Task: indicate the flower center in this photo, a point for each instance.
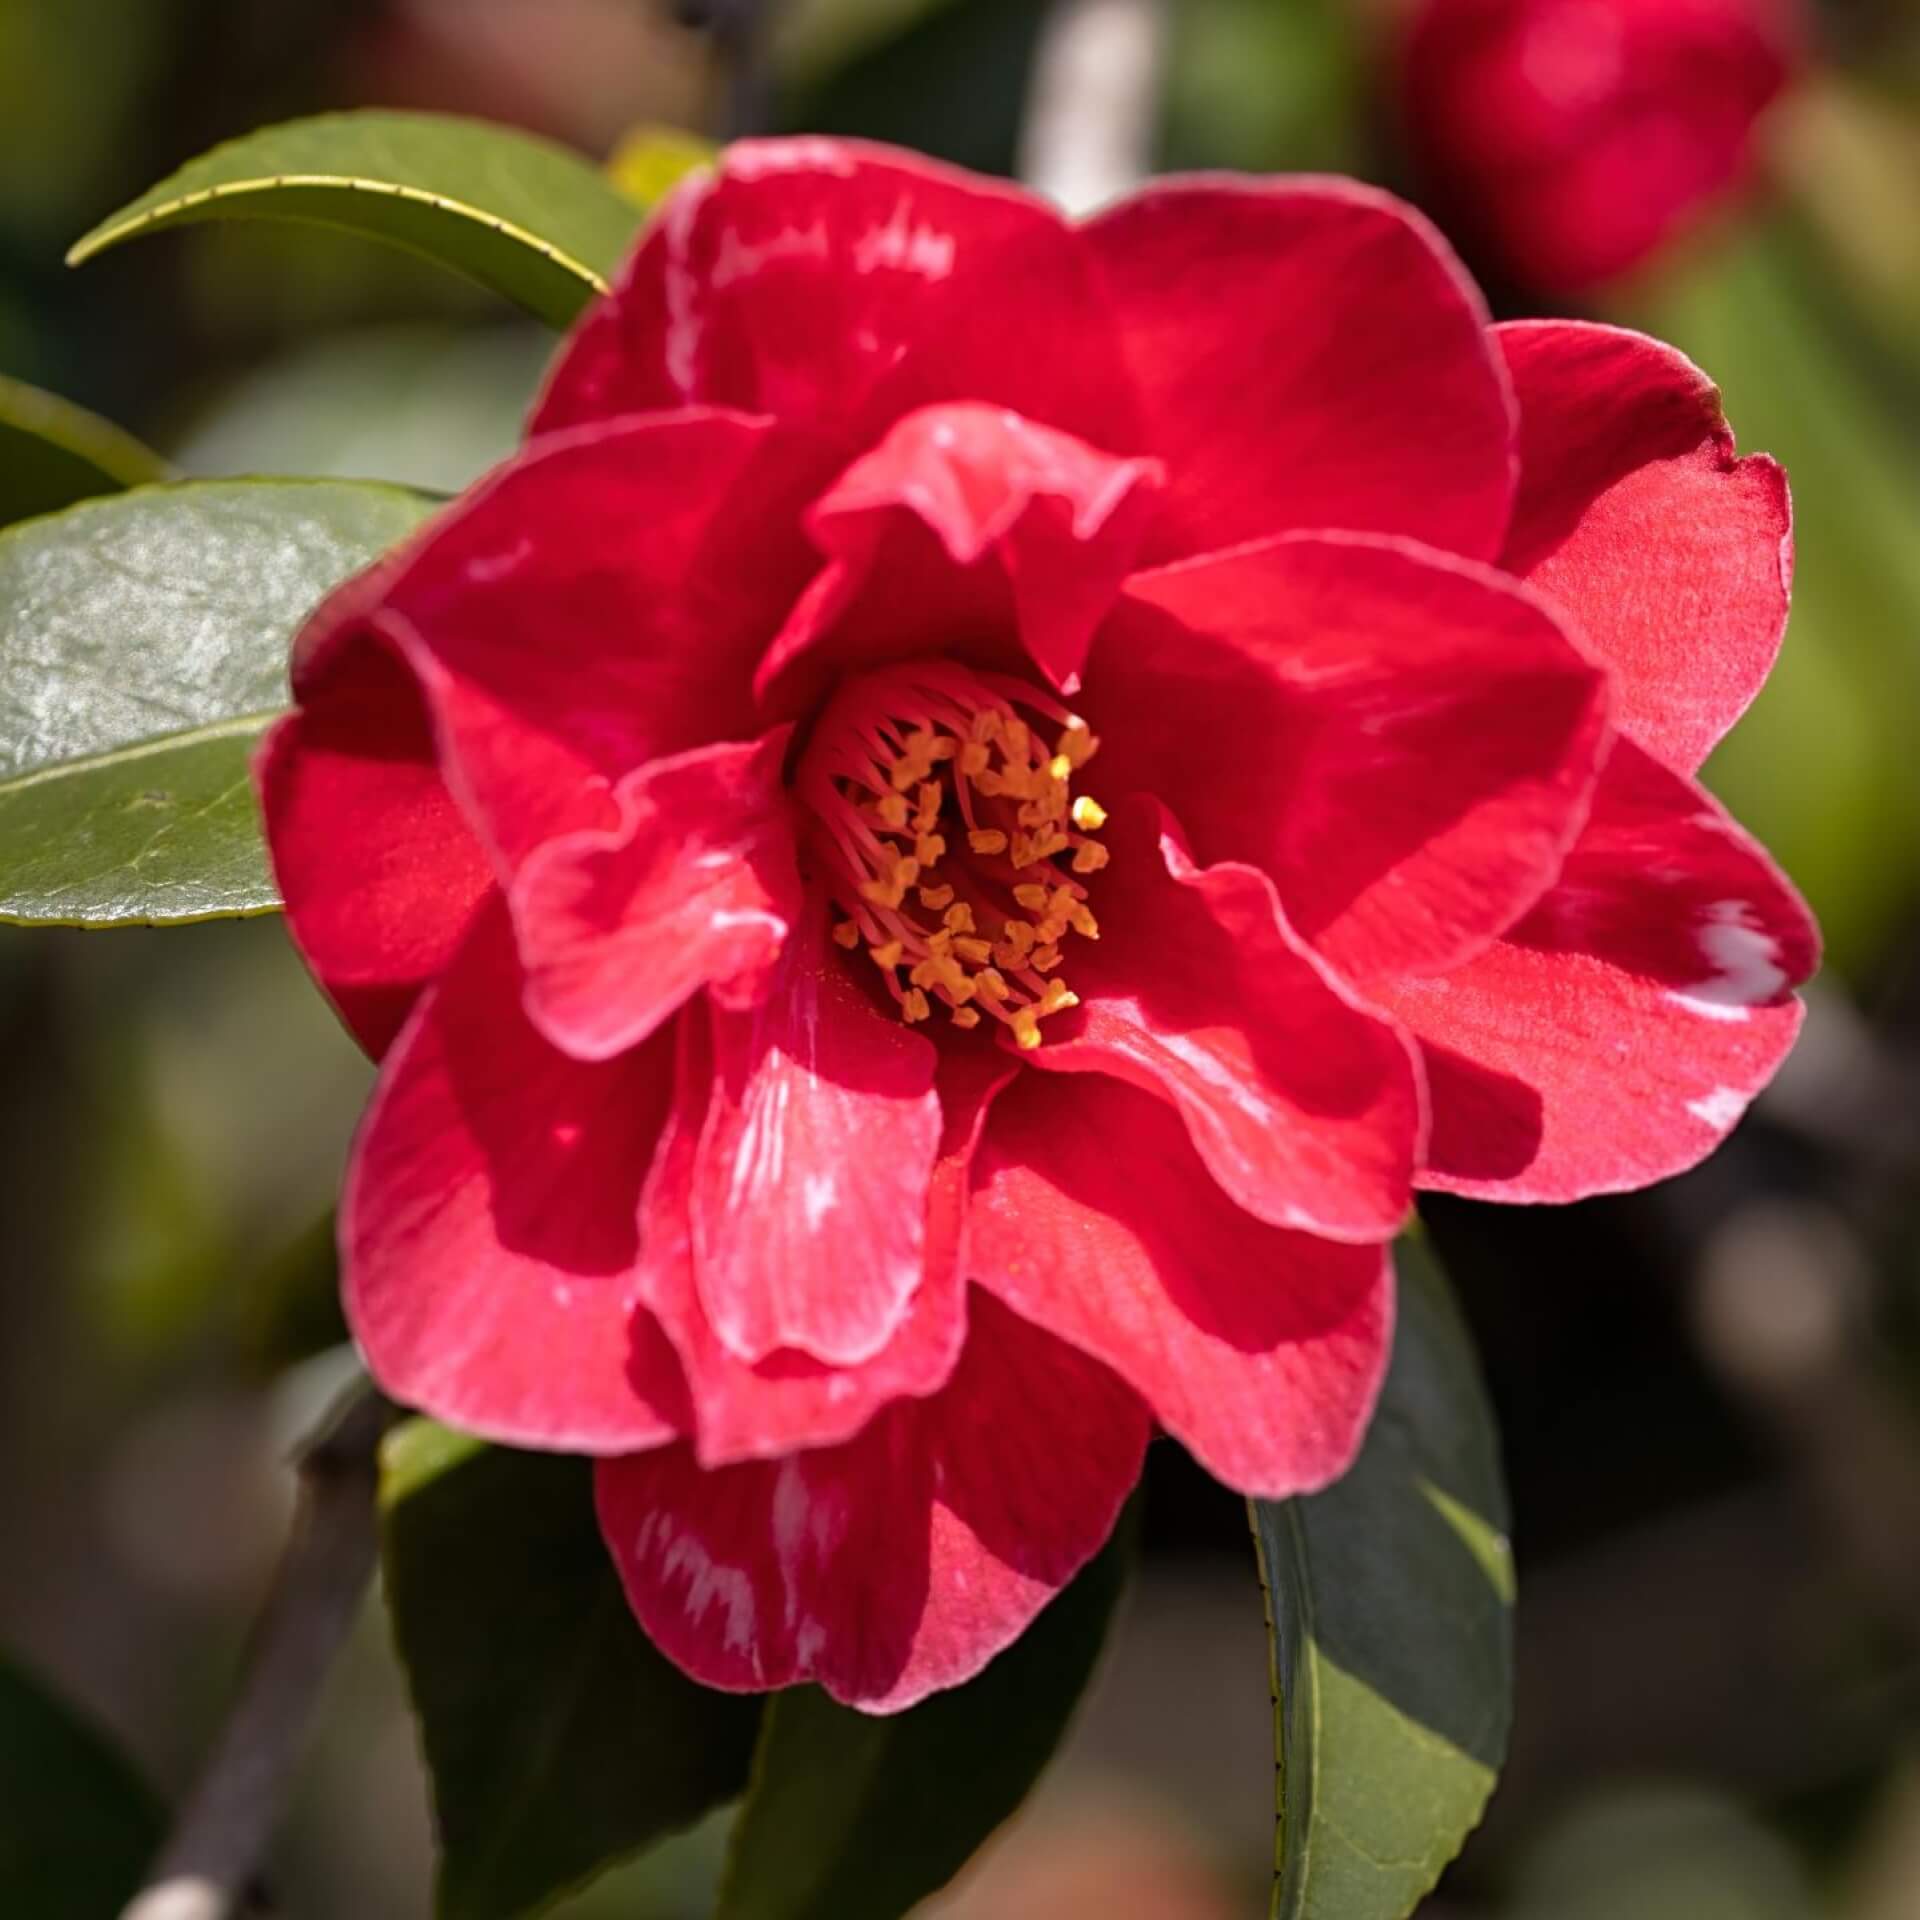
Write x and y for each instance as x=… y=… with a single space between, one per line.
x=950 y=836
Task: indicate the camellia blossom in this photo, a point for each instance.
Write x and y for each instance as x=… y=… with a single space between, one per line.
x=1573 y=139
x=933 y=861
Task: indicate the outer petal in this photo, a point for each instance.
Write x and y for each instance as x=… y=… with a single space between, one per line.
x=379 y=870
x=967 y=521
x=901 y=1562
x=1405 y=742
x=810 y=1183
x=1674 y=557
x=1261 y=1351
x=488 y=1229
x=696 y=886
x=1618 y=1033
x=841 y=285
x=586 y=609
x=1304 y=1105
x=790 y=1400
x=1308 y=353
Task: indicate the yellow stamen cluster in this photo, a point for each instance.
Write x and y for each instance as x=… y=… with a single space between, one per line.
x=975 y=915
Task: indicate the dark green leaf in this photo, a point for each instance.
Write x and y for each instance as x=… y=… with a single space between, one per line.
x=858 y=1816
x=143 y=646
x=1390 y=1596
x=518 y=214
x=53 y=453
x=77 y=1824
x=557 y=1737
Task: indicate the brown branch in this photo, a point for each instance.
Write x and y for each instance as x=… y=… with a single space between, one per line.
x=211 y=1866
x=741 y=31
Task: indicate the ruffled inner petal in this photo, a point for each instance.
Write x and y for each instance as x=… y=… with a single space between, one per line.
x=1261 y=1351
x=1405 y=742
x=809 y=1202
x=697 y=886
x=1304 y=1105
x=790 y=1400
x=966 y=526
x=901 y=1562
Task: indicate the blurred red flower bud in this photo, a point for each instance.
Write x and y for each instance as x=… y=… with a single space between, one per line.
x=1568 y=141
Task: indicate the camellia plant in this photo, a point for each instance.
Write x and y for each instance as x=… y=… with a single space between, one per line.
x=930 y=867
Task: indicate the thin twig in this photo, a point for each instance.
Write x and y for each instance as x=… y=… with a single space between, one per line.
x=211 y=1866
x=742 y=32
x=1093 y=104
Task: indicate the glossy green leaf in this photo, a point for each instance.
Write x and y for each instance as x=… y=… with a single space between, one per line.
x=858 y=1816
x=143 y=646
x=79 y=1825
x=558 y=1739
x=518 y=214
x=53 y=453
x=1390 y=1599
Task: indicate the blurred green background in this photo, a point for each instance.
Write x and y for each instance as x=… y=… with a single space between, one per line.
x=1710 y=1393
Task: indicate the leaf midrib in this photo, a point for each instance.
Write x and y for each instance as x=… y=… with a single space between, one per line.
x=238 y=726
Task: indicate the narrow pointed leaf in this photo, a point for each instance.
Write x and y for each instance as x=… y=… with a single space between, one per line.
x=558 y=1739
x=1390 y=1598
x=79 y=1825
x=859 y=1816
x=53 y=453
x=143 y=649
x=518 y=214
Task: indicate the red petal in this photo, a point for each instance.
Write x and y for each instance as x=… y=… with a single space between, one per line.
x=967 y=520
x=378 y=868
x=842 y=285
x=1261 y=1351
x=1618 y=1033
x=1673 y=556
x=488 y=1224
x=1308 y=353
x=586 y=610
x=1305 y=1106
x=1404 y=741
x=697 y=885
x=901 y=1562
x=810 y=1187
x=790 y=1400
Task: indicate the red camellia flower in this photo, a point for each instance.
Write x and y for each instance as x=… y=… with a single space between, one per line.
x=932 y=862
x=1573 y=138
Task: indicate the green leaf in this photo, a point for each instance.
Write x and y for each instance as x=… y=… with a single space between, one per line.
x=557 y=1737
x=519 y=215
x=1390 y=1600
x=856 y=1816
x=53 y=453
x=651 y=161
x=143 y=647
x=80 y=1825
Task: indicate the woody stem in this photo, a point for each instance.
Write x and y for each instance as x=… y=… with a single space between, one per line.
x=211 y=1866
